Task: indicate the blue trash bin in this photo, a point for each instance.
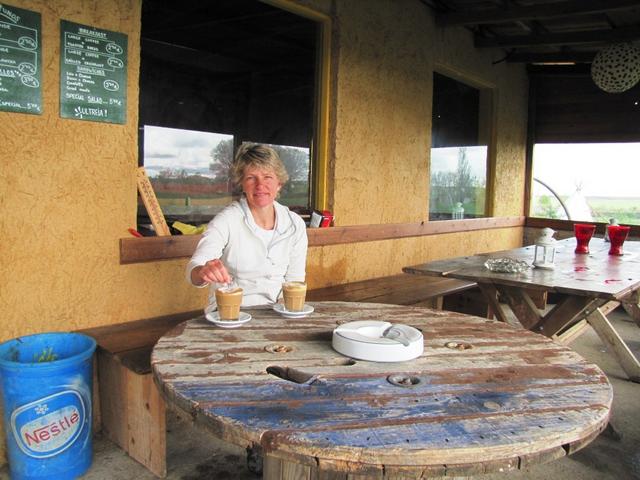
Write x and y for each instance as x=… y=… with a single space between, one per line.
x=46 y=384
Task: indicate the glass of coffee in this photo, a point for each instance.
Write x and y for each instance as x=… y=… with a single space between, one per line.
x=294 y=294
x=229 y=300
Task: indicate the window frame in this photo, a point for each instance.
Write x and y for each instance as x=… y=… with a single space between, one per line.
x=319 y=145
x=487 y=127
x=599 y=214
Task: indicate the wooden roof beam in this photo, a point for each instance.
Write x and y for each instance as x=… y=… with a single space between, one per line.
x=548 y=10
x=550 y=57
x=190 y=56
x=591 y=37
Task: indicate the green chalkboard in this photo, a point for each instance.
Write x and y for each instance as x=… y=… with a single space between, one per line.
x=93 y=74
x=20 y=60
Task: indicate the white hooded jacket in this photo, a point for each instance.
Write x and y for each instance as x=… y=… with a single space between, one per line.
x=260 y=271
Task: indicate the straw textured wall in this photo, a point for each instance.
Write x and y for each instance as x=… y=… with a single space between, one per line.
x=385 y=53
x=69 y=186
x=68 y=189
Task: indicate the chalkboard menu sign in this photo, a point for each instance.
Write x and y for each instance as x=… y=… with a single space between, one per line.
x=93 y=73
x=20 y=60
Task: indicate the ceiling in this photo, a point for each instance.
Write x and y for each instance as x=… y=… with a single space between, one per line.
x=543 y=32
x=241 y=35
x=228 y=35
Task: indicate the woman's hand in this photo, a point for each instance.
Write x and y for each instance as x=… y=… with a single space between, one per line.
x=213 y=271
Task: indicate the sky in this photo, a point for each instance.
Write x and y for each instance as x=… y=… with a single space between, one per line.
x=446 y=159
x=605 y=170
x=608 y=170
x=169 y=147
x=183 y=149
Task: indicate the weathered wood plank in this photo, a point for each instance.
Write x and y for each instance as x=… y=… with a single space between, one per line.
x=272 y=468
x=522 y=305
x=429 y=393
x=400 y=289
x=133 y=413
x=113 y=407
x=512 y=395
x=136 y=334
x=491 y=294
x=616 y=345
x=458 y=441
x=572 y=333
x=631 y=304
x=148 y=249
x=415 y=413
x=587 y=282
x=146 y=423
x=567 y=311
x=597 y=274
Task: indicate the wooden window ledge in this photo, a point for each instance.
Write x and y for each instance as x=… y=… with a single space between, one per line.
x=149 y=249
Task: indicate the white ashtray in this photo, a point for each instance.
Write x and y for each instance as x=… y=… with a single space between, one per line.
x=214 y=317
x=279 y=308
x=378 y=341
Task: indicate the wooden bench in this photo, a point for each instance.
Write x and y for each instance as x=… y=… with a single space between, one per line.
x=127 y=402
x=131 y=409
x=405 y=289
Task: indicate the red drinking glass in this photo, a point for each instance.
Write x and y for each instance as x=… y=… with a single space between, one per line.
x=584 y=232
x=617 y=235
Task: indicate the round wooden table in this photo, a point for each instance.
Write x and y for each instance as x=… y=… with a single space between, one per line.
x=483 y=397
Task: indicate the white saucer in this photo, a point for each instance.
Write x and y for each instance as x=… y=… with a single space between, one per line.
x=214 y=318
x=306 y=310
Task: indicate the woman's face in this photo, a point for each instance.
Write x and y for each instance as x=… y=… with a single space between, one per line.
x=261 y=186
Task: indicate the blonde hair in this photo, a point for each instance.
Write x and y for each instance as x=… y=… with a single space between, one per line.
x=259 y=156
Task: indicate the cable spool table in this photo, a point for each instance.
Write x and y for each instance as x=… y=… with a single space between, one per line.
x=483 y=397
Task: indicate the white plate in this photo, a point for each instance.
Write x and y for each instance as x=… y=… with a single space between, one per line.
x=214 y=318
x=306 y=310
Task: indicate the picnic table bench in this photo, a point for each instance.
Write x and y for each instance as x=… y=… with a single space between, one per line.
x=591 y=285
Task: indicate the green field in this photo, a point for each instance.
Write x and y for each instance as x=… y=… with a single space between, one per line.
x=182 y=203
x=626 y=210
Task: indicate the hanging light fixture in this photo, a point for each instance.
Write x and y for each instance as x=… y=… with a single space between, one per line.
x=616 y=68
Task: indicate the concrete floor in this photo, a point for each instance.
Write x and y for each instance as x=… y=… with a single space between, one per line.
x=193 y=454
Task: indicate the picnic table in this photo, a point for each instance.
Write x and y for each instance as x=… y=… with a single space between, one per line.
x=589 y=286
x=485 y=396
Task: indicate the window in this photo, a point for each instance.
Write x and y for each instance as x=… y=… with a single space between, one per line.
x=190 y=172
x=214 y=75
x=459 y=158
x=184 y=167
x=589 y=182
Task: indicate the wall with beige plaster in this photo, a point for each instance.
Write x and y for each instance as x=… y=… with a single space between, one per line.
x=69 y=186
x=336 y=264
x=383 y=70
x=387 y=54
x=68 y=189
x=382 y=112
x=68 y=192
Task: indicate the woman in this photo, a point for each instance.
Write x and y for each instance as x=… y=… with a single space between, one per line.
x=255 y=242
